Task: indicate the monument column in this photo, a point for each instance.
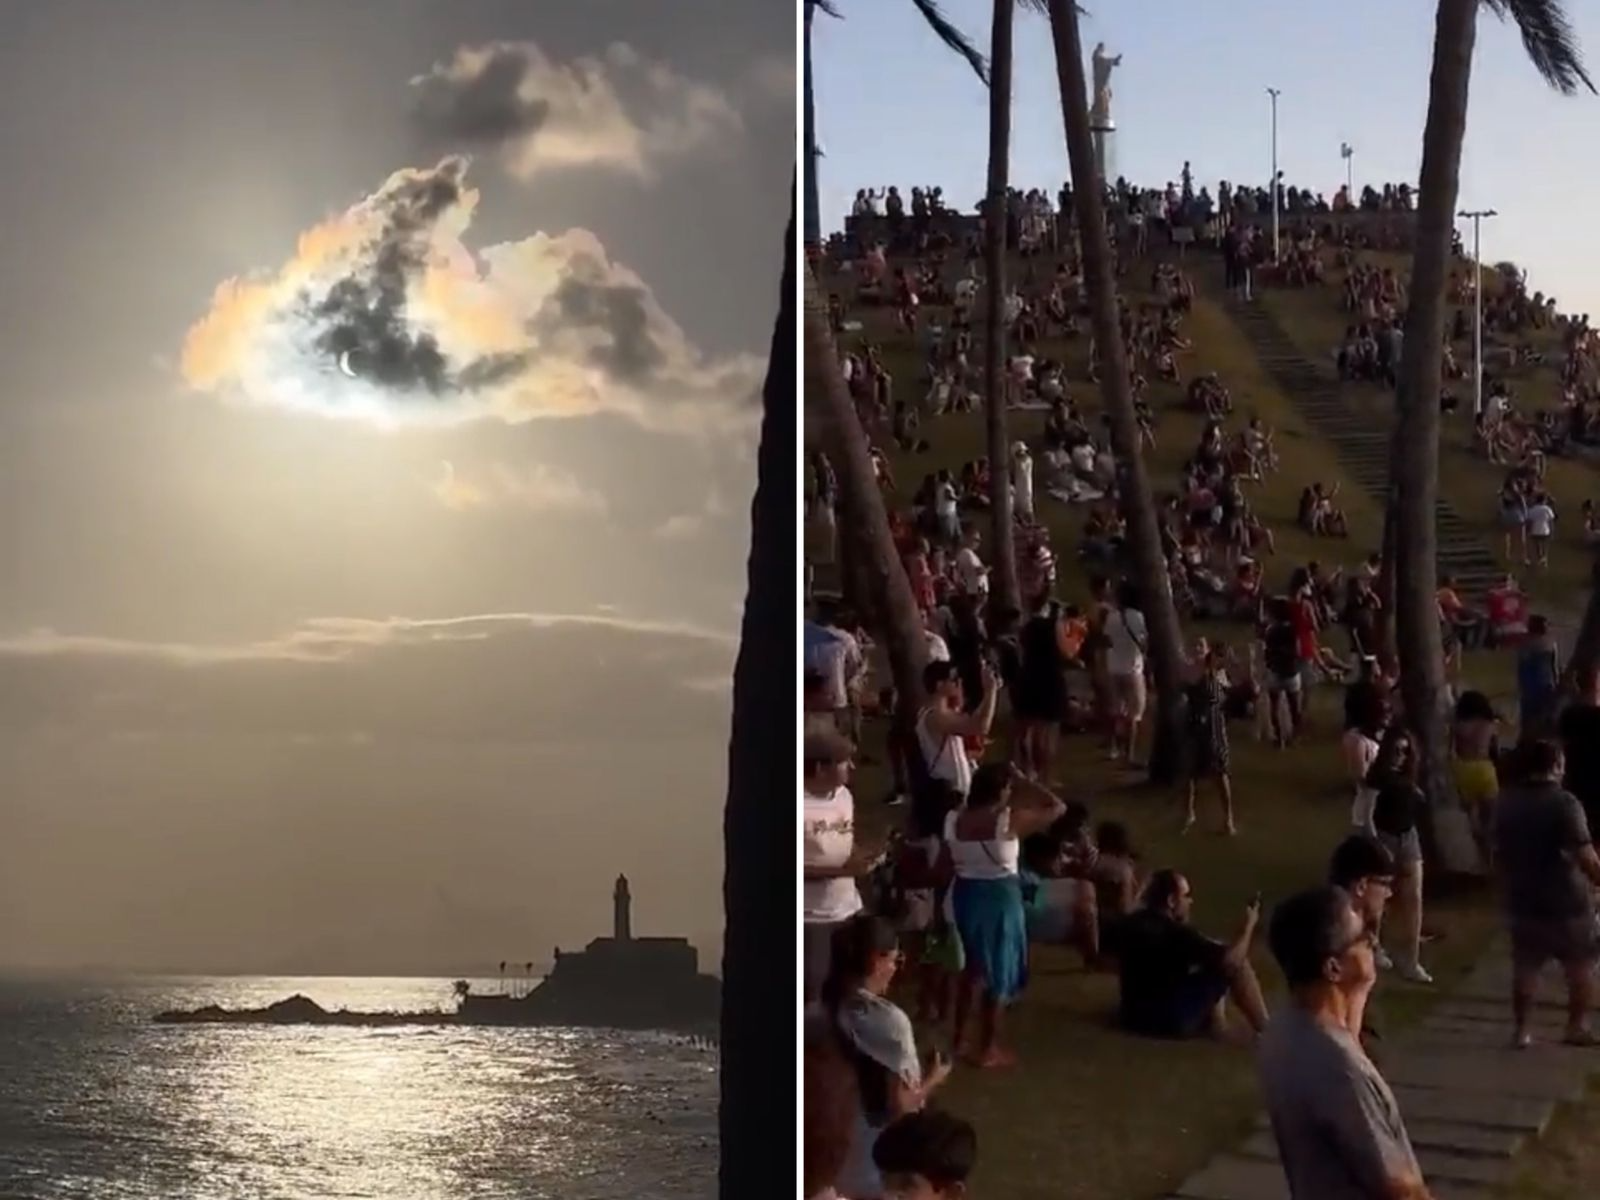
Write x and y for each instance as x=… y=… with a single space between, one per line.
x=622 y=916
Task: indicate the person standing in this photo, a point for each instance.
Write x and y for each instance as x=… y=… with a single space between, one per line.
x=1538 y=678
x=1580 y=743
x=1339 y=1131
x=1126 y=639
x=1207 y=735
x=1549 y=865
x=832 y=860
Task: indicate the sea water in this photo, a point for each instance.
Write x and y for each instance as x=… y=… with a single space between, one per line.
x=96 y=1101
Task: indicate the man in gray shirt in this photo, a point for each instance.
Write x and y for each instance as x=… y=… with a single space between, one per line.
x=1549 y=865
x=1339 y=1131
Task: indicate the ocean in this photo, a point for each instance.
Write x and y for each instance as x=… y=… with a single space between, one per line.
x=99 y=1103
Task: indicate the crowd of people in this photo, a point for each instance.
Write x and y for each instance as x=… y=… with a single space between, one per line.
x=989 y=859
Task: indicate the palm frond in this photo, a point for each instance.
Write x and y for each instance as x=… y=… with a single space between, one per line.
x=953 y=37
x=1038 y=6
x=827 y=7
x=1549 y=39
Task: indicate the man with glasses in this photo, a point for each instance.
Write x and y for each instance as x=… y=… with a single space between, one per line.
x=1364 y=869
x=1339 y=1131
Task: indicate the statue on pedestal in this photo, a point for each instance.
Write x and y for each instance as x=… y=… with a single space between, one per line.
x=1100 y=109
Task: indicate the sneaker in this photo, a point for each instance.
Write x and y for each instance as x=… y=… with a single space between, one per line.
x=1414 y=973
x=1385 y=963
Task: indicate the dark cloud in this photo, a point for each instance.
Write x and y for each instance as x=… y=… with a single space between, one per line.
x=484 y=108
x=619 y=313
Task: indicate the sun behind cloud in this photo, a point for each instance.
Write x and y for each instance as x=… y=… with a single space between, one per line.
x=385 y=315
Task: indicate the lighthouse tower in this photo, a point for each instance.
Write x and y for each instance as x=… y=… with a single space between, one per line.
x=622 y=918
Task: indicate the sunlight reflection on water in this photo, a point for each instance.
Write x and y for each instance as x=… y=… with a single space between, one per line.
x=96 y=1101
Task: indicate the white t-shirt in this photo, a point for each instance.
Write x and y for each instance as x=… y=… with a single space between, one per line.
x=1541 y=518
x=946 y=757
x=827 y=838
x=1083 y=458
x=1126 y=636
x=966 y=291
x=944 y=499
x=938 y=648
x=974 y=576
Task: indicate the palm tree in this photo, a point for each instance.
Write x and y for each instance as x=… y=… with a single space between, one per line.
x=758 y=835
x=864 y=535
x=1004 y=550
x=1133 y=488
x=947 y=33
x=1551 y=45
x=1586 y=648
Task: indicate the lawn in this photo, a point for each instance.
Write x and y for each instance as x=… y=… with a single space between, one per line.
x=1090 y=1112
x=1315 y=322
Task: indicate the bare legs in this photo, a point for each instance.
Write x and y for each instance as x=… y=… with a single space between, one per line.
x=988 y=1052
x=1244 y=989
x=1224 y=786
x=1406 y=921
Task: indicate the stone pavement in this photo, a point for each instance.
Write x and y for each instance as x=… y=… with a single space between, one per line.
x=1470 y=1101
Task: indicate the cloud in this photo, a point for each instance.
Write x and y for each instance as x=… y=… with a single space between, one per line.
x=684 y=526
x=540 y=488
x=434 y=333
x=617 y=111
x=336 y=639
x=773 y=77
x=505 y=677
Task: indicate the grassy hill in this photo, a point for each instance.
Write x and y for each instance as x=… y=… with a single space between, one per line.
x=1090 y=1112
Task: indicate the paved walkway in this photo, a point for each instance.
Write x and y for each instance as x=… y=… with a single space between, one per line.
x=1470 y=1101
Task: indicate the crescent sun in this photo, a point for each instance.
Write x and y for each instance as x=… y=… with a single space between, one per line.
x=344 y=366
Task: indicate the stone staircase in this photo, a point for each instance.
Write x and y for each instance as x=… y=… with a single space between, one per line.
x=1470 y=1102
x=1363 y=448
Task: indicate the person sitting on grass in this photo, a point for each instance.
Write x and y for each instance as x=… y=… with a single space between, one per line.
x=1175 y=981
x=983 y=840
x=1336 y=1123
x=876 y=1036
x=926 y=1155
x=1115 y=875
x=1059 y=907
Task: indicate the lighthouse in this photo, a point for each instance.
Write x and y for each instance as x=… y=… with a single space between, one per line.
x=622 y=919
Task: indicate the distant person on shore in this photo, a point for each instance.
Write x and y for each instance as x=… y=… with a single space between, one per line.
x=1580 y=743
x=832 y=860
x=1549 y=865
x=876 y=1035
x=926 y=1155
x=1175 y=981
x=1339 y=1131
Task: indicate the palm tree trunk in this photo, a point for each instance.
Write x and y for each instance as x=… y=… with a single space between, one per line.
x=758 y=835
x=1004 y=550
x=1415 y=460
x=813 y=217
x=1133 y=487
x=864 y=521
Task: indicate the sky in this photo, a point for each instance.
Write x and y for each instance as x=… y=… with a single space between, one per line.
x=894 y=106
x=378 y=387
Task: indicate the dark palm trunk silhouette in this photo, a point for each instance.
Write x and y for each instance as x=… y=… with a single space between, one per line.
x=754 y=1116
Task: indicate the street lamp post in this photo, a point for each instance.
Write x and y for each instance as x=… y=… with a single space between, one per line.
x=1348 y=153
x=1477 y=216
x=1274 y=93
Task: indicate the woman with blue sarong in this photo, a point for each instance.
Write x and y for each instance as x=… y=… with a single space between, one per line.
x=983 y=839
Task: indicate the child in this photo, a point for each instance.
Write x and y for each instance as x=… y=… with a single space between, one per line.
x=926 y=1155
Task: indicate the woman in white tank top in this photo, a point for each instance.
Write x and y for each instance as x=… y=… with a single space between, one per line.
x=944 y=724
x=984 y=840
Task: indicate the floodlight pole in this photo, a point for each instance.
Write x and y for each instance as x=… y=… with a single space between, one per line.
x=1274 y=93
x=1477 y=216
